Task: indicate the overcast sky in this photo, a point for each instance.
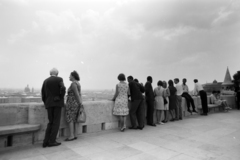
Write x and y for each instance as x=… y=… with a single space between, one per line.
x=102 y=38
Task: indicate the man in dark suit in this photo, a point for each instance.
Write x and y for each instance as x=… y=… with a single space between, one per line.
x=53 y=91
x=137 y=109
x=149 y=101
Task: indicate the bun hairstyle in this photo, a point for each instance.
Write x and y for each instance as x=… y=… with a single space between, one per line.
x=75 y=75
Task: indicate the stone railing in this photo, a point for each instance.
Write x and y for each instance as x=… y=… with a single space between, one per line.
x=20 y=99
x=99 y=117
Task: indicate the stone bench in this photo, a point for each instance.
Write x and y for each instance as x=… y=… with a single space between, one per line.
x=13 y=135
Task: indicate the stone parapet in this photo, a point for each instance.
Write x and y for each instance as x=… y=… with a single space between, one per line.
x=99 y=116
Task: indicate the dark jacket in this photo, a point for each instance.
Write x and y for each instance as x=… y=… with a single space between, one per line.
x=149 y=92
x=53 y=91
x=136 y=91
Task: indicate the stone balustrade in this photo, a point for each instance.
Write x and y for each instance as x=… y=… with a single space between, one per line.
x=99 y=117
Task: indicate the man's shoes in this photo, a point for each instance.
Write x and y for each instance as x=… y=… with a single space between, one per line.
x=133 y=128
x=140 y=128
x=189 y=111
x=203 y=114
x=53 y=144
x=44 y=145
x=172 y=120
x=194 y=111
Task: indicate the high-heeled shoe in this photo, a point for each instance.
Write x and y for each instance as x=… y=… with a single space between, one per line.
x=123 y=129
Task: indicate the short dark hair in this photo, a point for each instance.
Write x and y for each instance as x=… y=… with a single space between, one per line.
x=184 y=79
x=136 y=80
x=170 y=83
x=121 y=77
x=75 y=75
x=130 y=77
x=176 y=79
x=160 y=83
x=218 y=92
x=195 y=80
x=213 y=92
x=149 y=78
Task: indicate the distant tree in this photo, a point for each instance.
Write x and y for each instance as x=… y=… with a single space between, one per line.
x=236 y=80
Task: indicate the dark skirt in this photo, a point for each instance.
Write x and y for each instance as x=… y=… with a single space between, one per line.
x=172 y=102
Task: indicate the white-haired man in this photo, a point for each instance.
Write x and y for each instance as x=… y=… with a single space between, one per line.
x=53 y=91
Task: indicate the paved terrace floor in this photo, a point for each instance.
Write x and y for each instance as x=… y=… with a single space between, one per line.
x=215 y=137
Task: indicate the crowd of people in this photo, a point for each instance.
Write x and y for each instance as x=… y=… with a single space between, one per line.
x=165 y=99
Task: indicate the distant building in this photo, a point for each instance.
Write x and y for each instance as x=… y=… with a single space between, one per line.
x=27 y=89
x=227 y=84
x=32 y=90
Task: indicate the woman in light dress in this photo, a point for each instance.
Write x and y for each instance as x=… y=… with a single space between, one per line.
x=166 y=94
x=121 y=101
x=74 y=103
x=159 y=102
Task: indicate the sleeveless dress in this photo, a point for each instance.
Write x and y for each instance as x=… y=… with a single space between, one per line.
x=159 y=103
x=121 y=102
x=72 y=105
x=172 y=98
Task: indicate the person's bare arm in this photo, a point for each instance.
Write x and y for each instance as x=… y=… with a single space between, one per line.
x=76 y=93
x=116 y=93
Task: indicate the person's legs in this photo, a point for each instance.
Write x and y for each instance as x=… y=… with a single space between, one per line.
x=150 y=110
x=180 y=107
x=132 y=113
x=49 y=126
x=55 y=124
x=185 y=95
x=160 y=116
x=166 y=115
x=176 y=111
x=124 y=121
x=140 y=114
x=76 y=127
x=172 y=115
x=203 y=97
x=157 y=116
x=71 y=130
x=121 y=121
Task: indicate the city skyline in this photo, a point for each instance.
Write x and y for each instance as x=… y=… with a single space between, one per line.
x=165 y=39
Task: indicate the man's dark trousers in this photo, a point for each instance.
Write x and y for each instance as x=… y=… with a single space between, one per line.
x=203 y=96
x=150 y=110
x=189 y=100
x=54 y=116
x=137 y=113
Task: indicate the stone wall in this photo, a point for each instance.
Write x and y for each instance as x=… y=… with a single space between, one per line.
x=99 y=117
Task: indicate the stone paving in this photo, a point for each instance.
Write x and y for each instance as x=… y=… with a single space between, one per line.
x=213 y=137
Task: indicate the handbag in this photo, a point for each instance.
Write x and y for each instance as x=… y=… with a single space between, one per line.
x=82 y=117
x=165 y=101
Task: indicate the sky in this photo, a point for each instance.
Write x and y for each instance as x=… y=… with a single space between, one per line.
x=100 y=39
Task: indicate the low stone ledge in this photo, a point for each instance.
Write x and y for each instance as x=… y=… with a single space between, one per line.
x=20 y=128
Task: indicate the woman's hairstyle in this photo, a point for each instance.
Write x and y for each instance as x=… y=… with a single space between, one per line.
x=130 y=77
x=149 y=78
x=160 y=83
x=136 y=80
x=75 y=75
x=195 y=80
x=164 y=82
x=170 y=83
x=121 y=77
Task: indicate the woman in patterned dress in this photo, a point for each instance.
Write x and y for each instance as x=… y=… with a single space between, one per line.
x=166 y=94
x=74 y=103
x=159 y=103
x=121 y=101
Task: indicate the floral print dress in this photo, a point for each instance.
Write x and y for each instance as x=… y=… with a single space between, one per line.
x=121 y=102
x=72 y=106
